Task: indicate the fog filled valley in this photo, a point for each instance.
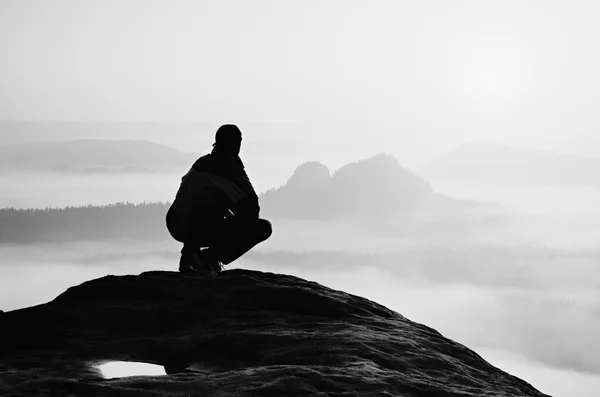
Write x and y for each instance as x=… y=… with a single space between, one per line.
x=439 y=158
x=509 y=271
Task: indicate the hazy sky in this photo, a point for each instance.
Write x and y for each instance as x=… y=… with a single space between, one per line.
x=333 y=81
x=446 y=71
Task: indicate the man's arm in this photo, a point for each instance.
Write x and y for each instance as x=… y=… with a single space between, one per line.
x=248 y=205
x=231 y=167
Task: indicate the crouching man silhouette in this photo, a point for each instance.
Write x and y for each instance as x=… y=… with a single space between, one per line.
x=215 y=213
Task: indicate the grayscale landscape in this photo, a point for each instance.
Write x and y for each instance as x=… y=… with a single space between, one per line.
x=440 y=160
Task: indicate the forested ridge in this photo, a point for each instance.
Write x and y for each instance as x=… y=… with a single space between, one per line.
x=144 y=221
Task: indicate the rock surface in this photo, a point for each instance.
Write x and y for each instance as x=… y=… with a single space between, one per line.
x=247 y=333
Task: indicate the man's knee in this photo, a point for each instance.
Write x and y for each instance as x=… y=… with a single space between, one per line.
x=267 y=229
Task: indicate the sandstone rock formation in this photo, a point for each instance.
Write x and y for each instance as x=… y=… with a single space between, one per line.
x=375 y=187
x=308 y=175
x=247 y=333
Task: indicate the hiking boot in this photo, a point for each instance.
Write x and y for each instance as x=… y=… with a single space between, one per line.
x=187 y=264
x=213 y=267
x=200 y=264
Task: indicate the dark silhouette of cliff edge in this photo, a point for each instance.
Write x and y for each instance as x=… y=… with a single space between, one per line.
x=246 y=333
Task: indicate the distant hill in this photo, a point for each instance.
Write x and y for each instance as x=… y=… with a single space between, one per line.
x=92 y=156
x=377 y=187
x=498 y=164
x=20 y=131
x=374 y=187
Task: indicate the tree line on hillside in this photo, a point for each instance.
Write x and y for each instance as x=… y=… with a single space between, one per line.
x=145 y=221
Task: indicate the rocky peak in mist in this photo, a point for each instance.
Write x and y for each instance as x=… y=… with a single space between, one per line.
x=93 y=155
x=491 y=162
x=379 y=176
x=377 y=186
x=308 y=175
x=245 y=333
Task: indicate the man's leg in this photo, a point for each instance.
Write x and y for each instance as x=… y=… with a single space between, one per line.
x=203 y=225
x=236 y=236
x=193 y=242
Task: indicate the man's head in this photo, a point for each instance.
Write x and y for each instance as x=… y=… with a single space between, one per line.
x=229 y=137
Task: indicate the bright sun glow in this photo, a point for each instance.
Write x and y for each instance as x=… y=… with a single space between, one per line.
x=120 y=369
x=493 y=70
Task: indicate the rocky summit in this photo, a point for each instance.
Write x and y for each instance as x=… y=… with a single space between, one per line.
x=246 y=333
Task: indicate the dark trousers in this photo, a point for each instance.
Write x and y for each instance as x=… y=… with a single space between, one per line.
x=226 y=239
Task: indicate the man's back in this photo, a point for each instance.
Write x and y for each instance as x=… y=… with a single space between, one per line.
x=226 y=165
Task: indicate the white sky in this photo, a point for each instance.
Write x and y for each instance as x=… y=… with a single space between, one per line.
x=440 y=71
